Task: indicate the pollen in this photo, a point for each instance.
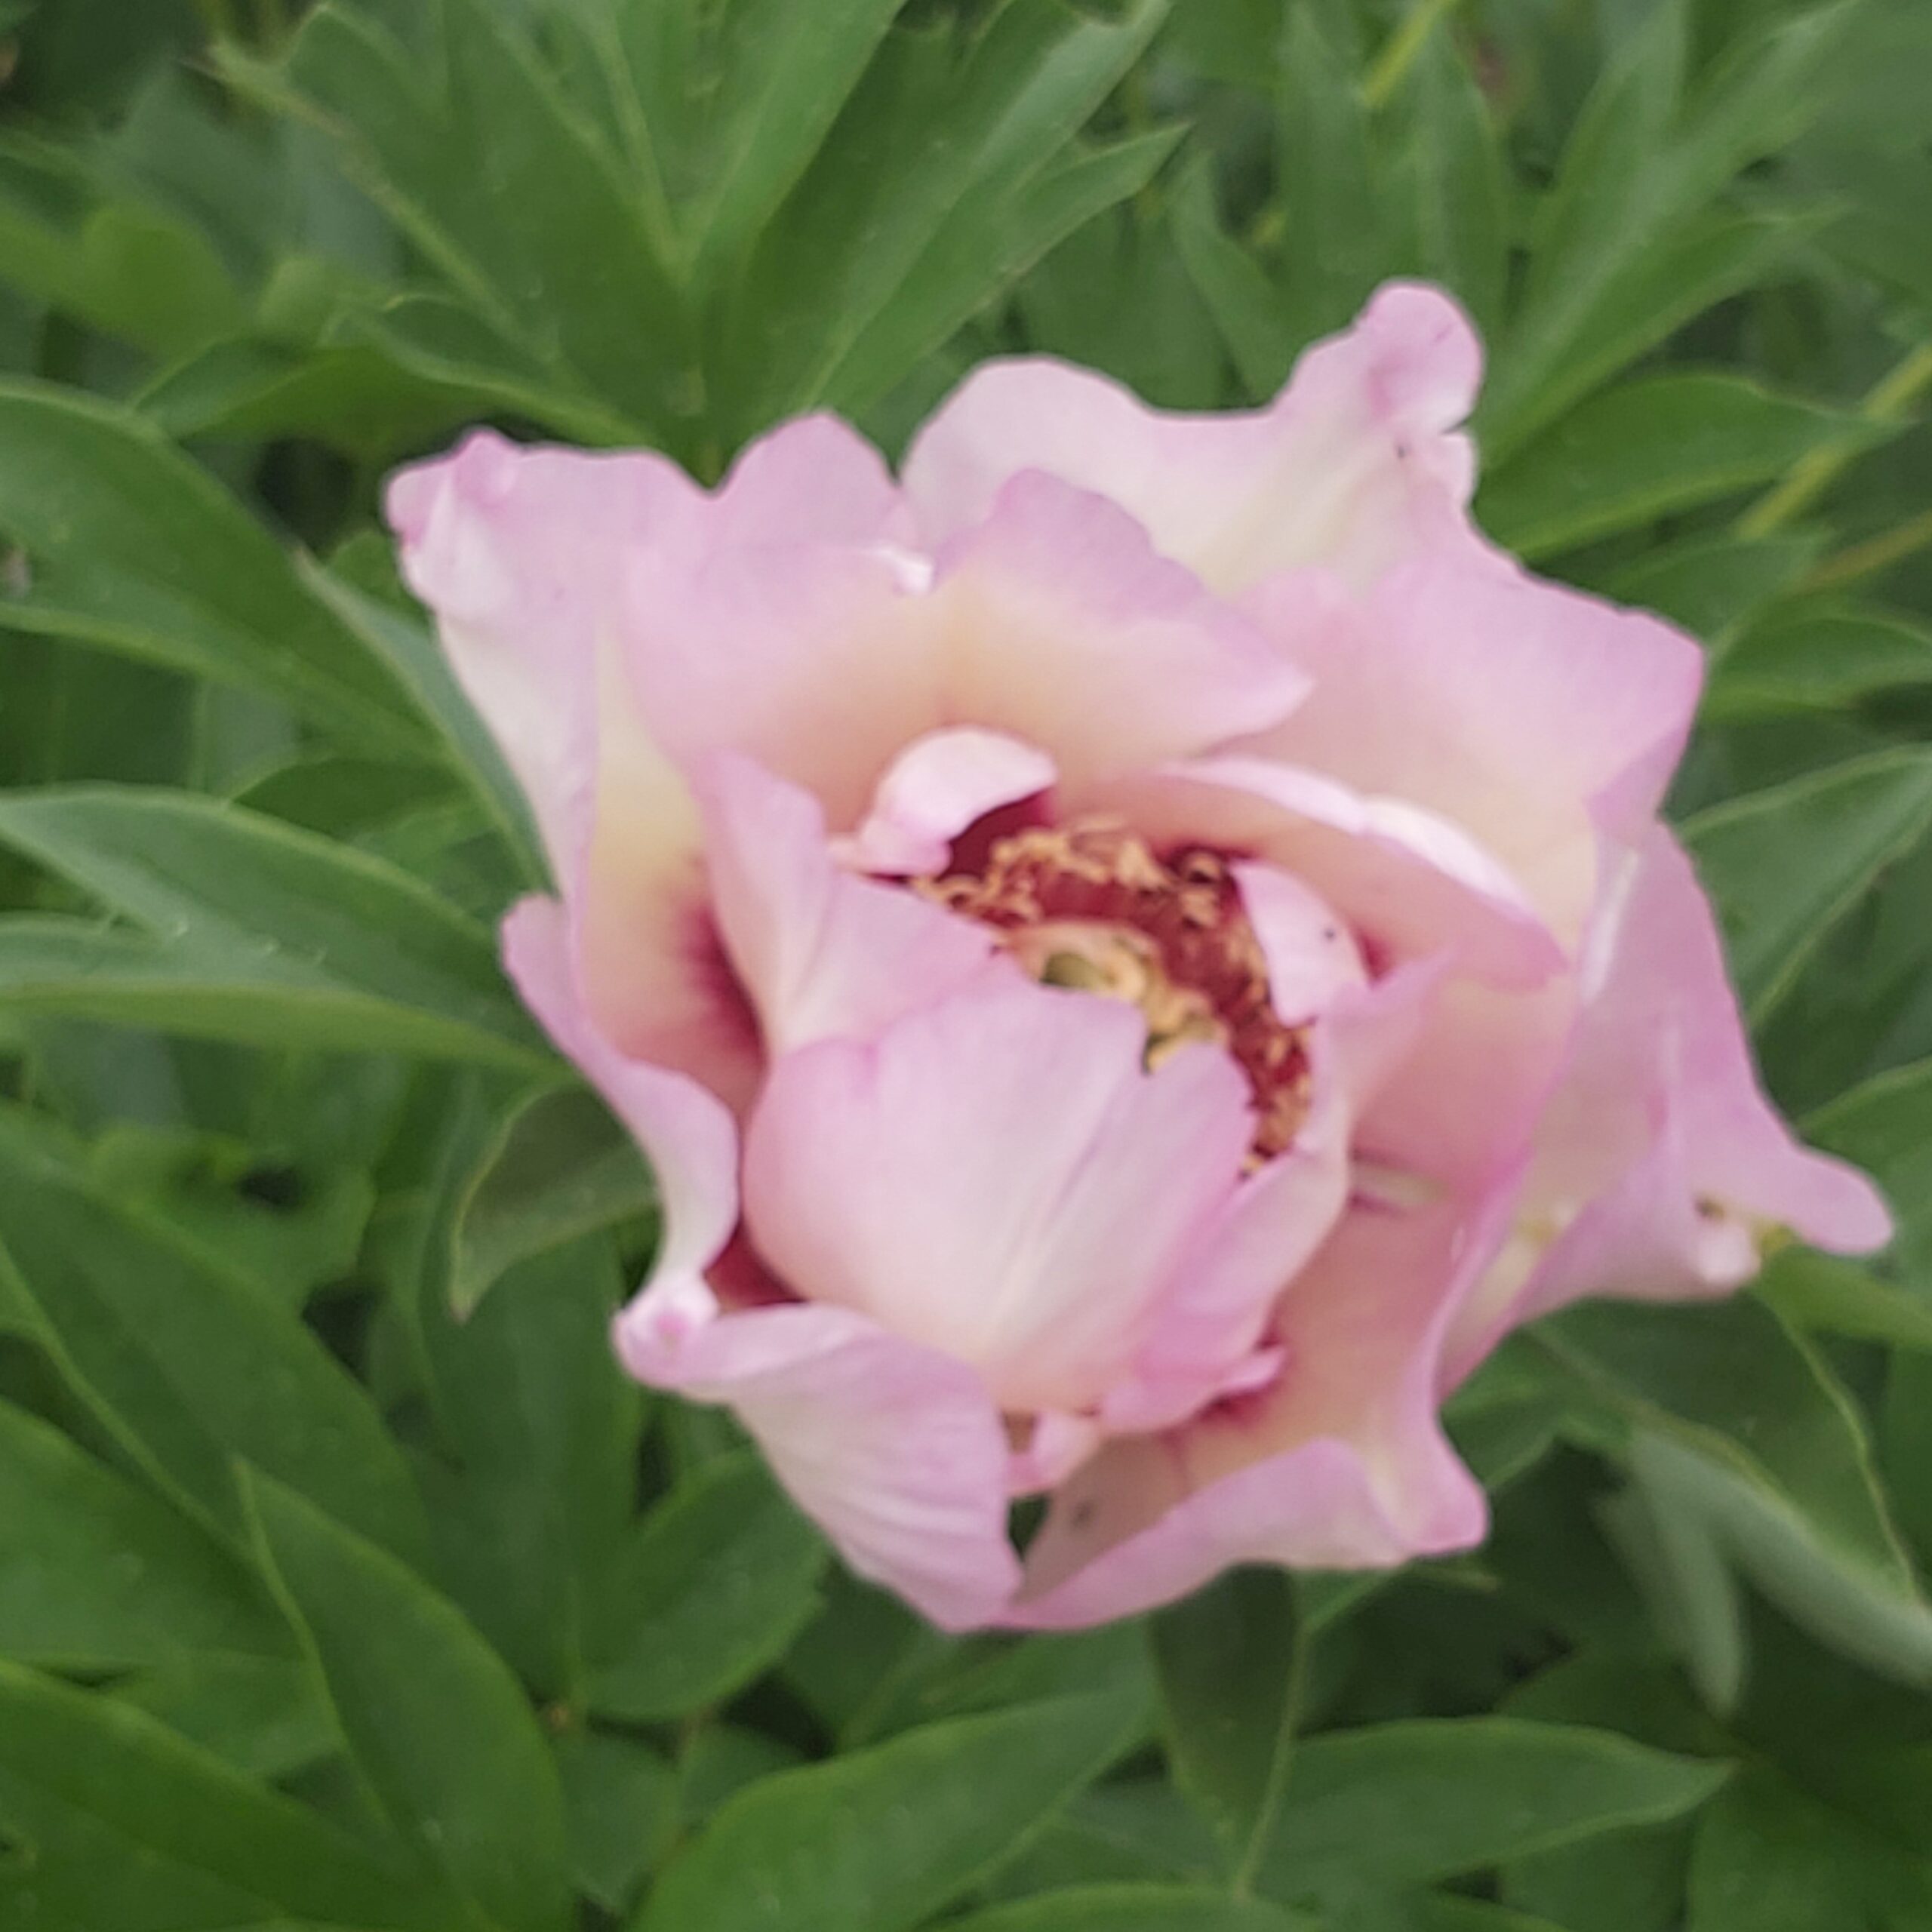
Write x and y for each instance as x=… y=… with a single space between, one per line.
x=1091 y=907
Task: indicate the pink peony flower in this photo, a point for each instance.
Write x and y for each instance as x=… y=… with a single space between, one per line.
x=1137 y=951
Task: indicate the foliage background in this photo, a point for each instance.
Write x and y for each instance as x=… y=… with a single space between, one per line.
x=336 y=1591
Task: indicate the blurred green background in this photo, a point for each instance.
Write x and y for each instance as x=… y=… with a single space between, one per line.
x=325 y=1600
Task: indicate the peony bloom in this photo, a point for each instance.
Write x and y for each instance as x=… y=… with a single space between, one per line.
x=1137 y=951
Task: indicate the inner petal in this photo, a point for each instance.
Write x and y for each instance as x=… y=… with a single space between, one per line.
x=1091 y=907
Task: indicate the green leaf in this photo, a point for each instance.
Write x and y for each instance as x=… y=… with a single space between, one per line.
x=1693 y=1594
x=732 y=107
x=1398 y=1805
x=1885 y=1127
x=1742 y=1428
x=130 y=269
x=1770 y=1857
x=559 y=1168
x=294 y=1230
x=541 y=1426
x=1633 y=242
x=131 y=547
x=347 y=951
x=981 y=249
x=1716 y=254
x=96 y=1576
x=847 y=1846
x=187 y=1364
x=432 y=1718
x=1445 y=1913
x=1247 y=309
x=1652 y=446
x=416 y=660
x=622 y=1802
x=1820 y=1294
x=1230 y=1663
x=1133 y=1909
x=354 y=395
x=1457 y=185
x=942 y=179
x=502 y=183
x=123 y=1824
x=1819 y=659
x=1336 y=247
x=1786 y=864
x=715 y=1583
x=1713 y=586
x=262 y=1714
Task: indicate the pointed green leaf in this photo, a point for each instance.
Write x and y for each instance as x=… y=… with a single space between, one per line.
x=96 y=1575
x=558 y=1168
x=357 y=953
x=1740 y=1428
x=1397 y=1805
x=1885 y=1127
x=877 y=1841
x=123 y=1823
x=186 y=1364
x=712 y=1589
x=432 y=1718
x=1641 y=451
x=131 y=546
x=1784 y=865
x=1133 y=1908
x=1230 y=1663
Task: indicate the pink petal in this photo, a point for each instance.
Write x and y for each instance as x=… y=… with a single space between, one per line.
x=1460 y=1108
x=1345 y=468
x=817 y=660
x=690 y=1136
x=1342 y=1464
x=995 y=1176
x=1208 y=1336
x=1410 y=885
x=1660 y=1163
x=896 y=1452
x=1312 y=957
x=820 y=952
x=521 y=555
x=813 y=480
x=1533 y=718
x=1064 y=628
x=934 y=790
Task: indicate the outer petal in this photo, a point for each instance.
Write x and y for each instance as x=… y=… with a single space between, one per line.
x=1659 y=1161
x=1341 y=1465
x=521 y=554
x=1536 y=719
x=1063 y=627
x=895 y=1452
x=690 y=1136
x=996 y=1177
x=1350 y=464
x=820 y=953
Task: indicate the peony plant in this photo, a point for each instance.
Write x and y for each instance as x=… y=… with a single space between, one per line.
x=1137 y=950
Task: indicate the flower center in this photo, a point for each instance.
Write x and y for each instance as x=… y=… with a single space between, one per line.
x=1091 y=906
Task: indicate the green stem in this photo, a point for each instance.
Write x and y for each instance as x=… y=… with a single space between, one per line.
x=1403 y=48
x=1814 y=474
